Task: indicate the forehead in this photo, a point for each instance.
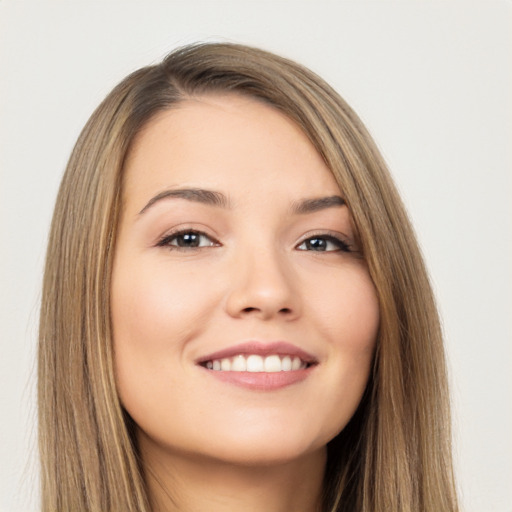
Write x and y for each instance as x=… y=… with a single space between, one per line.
x=226 y=142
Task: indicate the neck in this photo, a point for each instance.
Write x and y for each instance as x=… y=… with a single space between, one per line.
x=183 y=483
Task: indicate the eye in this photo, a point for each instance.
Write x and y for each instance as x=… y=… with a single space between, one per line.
x=324 y=243
x=187 y=239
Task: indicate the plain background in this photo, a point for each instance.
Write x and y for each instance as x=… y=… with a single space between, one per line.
x=432 y=81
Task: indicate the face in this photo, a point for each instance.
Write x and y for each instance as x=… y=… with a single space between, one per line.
x=244 y=316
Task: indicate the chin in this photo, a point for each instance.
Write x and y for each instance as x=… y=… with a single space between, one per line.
x=273 y=455
x=256 y=447
x=264 y=446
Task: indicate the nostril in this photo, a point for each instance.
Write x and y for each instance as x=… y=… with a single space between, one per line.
x=249 y=310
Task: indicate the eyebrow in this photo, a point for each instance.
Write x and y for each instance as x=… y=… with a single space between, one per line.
x=317 y=204
x=218 y=199
x=197 y=195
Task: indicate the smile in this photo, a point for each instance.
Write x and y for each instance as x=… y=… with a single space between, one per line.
x=255 y=363
x=260 y=366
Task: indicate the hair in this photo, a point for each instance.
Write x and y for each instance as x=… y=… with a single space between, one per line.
x=395 y=453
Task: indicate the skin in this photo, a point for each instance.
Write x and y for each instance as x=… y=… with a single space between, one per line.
x=216 y=445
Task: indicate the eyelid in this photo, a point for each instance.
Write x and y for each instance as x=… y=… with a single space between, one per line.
x=169 y=235
x=333 y=236
x=346 y=243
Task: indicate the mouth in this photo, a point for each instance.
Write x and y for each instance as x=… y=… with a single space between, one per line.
x=255 y=363
x=260 y=366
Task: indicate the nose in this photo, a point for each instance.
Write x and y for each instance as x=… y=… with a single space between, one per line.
x=262 y=285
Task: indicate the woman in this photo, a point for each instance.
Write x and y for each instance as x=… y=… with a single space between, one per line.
x=235 y=314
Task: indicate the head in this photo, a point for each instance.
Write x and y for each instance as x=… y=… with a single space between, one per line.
x=396 y=444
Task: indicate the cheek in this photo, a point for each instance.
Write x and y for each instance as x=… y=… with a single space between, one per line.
x=152 y=306
x=154 y=314
x=347 y=314
x=346 y=309
x=357 y=326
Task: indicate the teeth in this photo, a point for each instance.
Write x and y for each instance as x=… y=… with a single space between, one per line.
x=272 y=364
x=239 y=364
x=257 y=364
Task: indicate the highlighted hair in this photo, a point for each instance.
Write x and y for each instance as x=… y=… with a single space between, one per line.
x=395 y=453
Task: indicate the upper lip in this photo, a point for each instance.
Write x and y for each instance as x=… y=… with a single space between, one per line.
x=281 y=348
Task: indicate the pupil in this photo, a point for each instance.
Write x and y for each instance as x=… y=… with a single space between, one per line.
x=188 y=240
x=318 y=244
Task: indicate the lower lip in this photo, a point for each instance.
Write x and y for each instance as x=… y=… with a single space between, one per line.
x=261 y=381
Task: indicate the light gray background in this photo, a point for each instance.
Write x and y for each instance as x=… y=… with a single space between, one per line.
x=433 y=82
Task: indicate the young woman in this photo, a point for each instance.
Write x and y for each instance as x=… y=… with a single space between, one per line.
x=235 y=313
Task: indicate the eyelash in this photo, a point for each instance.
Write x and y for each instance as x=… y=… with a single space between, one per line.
x=341 y=245
x=165 y=241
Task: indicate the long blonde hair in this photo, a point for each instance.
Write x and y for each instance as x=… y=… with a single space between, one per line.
x=394 y=455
